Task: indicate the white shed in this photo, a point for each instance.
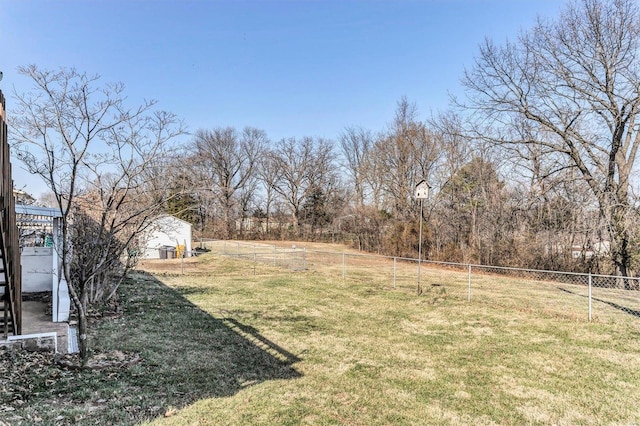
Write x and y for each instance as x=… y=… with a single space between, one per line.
x=167 y=231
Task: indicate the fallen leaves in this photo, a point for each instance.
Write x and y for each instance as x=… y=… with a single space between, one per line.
x=26 y=376
x=23 y=373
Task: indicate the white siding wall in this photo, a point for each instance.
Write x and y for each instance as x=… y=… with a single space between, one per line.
x=37 y=269
x=167 y=231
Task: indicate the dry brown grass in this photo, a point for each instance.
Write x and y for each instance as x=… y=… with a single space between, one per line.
x=521 y=352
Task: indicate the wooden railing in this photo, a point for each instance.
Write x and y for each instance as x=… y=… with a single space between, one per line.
x=11 y=272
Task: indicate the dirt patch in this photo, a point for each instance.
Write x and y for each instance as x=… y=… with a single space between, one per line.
x=308 y=245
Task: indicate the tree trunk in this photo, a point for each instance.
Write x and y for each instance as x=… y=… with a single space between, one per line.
x=620 y=238
x=83 y=341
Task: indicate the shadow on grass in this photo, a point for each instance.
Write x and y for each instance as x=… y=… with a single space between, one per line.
x=187 y=355
x=626 y=310
x=221 y=354
x=251 y=334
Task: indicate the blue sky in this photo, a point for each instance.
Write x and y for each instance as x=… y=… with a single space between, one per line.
x=291 y=68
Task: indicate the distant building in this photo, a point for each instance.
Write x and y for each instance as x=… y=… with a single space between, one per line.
x=23 y=197
x=259 y=224
x=166 y=237
x=601 y=248
x=577 y=251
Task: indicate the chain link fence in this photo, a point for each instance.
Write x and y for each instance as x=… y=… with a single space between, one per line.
x=560 y=294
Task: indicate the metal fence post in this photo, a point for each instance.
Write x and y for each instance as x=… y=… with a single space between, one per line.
x=469 y=286
x=590 y=285
x=394 y=271
x=304 y=258
x=254 y=263
x=275 y=255
x=344 y=266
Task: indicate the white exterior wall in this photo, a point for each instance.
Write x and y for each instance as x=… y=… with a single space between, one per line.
x=167 y=231
x=37 y=269
x=42 y=271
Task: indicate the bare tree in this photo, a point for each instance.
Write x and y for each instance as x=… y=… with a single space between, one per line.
x=373 y=173
x=405 y=155
x=577 y=80
x=93 y=152
x=455 y=151
x=268 y=175
x=356 y=145
x=303 y=166
x=228 y=162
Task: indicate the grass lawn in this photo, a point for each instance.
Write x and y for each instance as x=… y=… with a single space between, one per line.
x=225 y=343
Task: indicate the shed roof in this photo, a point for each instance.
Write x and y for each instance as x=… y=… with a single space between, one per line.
x=170 y=216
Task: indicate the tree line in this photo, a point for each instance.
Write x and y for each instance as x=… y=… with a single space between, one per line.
x=485 y=206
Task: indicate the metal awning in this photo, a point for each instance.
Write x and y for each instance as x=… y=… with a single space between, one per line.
x=38 y=211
